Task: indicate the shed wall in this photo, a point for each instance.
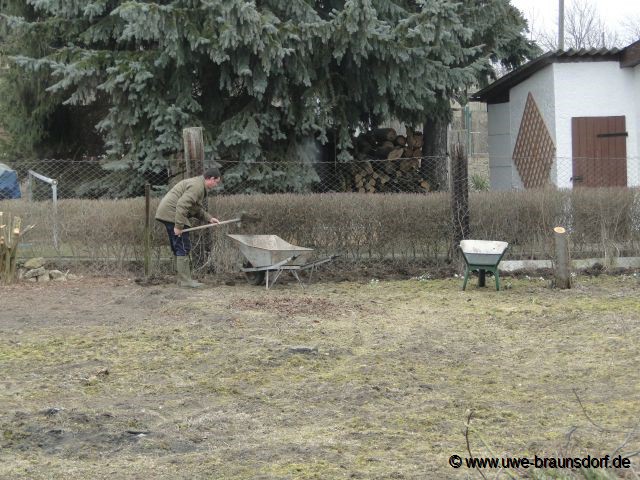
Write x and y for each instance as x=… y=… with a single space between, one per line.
x=562 y=91
x=504 y=124
x=594 y=89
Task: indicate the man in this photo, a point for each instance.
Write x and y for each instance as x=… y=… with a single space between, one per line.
x=181 y=203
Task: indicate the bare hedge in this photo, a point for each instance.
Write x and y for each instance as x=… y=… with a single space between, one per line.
x=398 y=227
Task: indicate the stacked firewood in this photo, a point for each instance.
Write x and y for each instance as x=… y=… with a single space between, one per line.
x=387 y=162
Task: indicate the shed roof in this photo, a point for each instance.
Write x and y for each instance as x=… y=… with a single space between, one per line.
x=498 y=91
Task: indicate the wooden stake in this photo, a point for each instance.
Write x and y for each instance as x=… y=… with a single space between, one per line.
x=17 y=223
x=6 y=233
x=562 y=260
x=3 y=244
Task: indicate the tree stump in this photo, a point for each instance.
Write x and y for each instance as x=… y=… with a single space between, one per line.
x=562 y=260
x=10 y=235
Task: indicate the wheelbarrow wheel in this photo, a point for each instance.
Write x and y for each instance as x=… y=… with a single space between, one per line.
x=253 y=278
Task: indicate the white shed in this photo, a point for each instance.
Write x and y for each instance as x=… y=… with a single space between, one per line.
x=569 y=118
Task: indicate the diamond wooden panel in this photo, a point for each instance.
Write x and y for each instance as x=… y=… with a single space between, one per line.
x=535 y=150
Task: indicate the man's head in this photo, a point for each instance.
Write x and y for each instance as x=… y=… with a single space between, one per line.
x=212 y=177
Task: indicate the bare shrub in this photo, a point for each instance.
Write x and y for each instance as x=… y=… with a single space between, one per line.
x=603 y=221
x=522 y=218
x=401 y=228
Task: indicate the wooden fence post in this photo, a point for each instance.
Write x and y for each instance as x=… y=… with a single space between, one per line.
x=194 y=165
x=193 y=151
x=459 y=195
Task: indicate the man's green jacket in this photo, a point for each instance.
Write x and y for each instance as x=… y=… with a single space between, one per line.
x=184 y=201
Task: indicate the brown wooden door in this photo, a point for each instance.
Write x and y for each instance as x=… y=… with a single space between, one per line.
x=599 y=151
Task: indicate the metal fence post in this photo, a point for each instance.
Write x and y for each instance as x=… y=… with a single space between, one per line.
x=54 y=196
x=147 y=229
x=54 y=193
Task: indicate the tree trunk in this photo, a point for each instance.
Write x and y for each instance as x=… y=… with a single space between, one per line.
x=434 y=148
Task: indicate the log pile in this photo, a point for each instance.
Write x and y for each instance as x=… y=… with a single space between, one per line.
x=387 y=162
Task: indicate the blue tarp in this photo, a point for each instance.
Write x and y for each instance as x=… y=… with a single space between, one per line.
x=9 y=187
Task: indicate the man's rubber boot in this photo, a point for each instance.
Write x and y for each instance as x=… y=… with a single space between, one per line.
x=184 y=274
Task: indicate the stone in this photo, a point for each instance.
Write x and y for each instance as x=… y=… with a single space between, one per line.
x=91 y=380
x=34 y=263
x=304 y=349
x=56 y=274
x=36 y=272
x=44 y=278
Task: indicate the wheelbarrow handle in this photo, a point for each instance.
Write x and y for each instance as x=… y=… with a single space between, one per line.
x=209 y=225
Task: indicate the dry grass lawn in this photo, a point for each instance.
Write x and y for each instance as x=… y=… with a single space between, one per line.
x=103 y=378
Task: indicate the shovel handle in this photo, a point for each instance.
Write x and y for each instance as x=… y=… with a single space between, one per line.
x=209 y=225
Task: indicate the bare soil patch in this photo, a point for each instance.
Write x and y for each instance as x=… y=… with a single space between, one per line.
x=300 y=305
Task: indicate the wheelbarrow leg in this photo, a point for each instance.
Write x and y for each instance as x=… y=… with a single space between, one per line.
x=466 y=277
x=482 y=278
x=274 y=278
x=495 y=274
x=300 y=282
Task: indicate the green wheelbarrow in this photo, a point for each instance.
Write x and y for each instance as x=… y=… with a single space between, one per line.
x=482 y=256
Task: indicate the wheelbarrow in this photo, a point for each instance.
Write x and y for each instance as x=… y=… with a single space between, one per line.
x=270 y=255
x=482 y=256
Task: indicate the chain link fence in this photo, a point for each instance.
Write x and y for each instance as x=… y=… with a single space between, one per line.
x=408 y=208
x=42 y=179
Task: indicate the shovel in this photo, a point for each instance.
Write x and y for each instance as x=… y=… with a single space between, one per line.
x=244 y=217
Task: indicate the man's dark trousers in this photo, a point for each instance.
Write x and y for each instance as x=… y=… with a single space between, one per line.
x=180 y=246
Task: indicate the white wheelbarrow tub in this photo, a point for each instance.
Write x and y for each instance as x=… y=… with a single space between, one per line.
x=483 y=252
x=482 y=256
x=268 y=250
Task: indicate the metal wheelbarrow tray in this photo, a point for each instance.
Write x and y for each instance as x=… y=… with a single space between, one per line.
x=271 y=254
x=482 y=256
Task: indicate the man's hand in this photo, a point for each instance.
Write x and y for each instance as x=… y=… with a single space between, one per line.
x=214 y=220
x=177 y=231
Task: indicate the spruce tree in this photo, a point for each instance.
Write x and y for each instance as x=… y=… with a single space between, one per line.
x=37 y=120
x=264 y=78
x=498 y=29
